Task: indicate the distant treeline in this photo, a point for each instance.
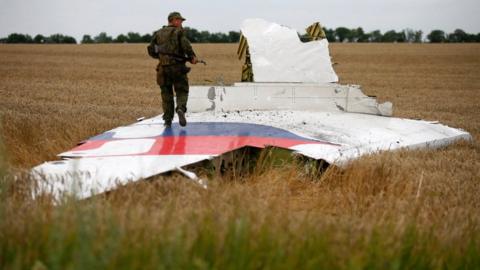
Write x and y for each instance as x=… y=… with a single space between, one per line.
x=340 y=34
x=343 y=34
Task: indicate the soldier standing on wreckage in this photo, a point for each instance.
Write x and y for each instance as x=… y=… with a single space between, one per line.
x=172 y=48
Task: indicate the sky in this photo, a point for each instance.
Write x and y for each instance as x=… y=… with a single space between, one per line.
x=79 y=17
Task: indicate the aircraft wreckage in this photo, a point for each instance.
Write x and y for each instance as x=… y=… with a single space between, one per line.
x=289 y=98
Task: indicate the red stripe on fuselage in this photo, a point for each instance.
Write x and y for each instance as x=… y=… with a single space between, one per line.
x=204 y=145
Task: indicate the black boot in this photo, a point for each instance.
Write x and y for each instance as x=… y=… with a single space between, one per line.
x=181 y=118
x=167 y=124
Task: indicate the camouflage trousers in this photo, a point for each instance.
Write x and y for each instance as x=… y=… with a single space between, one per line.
x=173 y=78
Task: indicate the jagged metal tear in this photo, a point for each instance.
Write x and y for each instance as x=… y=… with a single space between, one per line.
x=278 y=55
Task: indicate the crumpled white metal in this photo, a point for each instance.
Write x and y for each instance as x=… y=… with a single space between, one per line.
x=278 y=55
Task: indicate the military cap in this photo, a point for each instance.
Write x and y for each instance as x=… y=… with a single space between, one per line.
x=175 y=15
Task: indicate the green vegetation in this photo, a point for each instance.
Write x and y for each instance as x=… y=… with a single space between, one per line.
x=340 y=34
x=343 y=34
x=38 y=39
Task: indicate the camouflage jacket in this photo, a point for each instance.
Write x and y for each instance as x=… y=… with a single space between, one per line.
x=172 y=46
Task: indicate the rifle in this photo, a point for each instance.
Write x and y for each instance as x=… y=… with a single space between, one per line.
x=177 y=57
x=202 y=62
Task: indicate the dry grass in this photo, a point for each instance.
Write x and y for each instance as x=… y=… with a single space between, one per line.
x=407 y=209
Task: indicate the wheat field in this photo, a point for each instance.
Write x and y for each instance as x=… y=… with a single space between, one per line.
x=392 y=210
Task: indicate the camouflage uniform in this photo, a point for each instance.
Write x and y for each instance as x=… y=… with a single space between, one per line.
x=174 y=50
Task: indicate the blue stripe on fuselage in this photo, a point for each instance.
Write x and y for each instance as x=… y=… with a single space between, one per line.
x=218 y=129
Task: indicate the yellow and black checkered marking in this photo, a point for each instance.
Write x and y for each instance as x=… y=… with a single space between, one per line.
x=315 y=31
x=247 y=71
x=242 y=47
